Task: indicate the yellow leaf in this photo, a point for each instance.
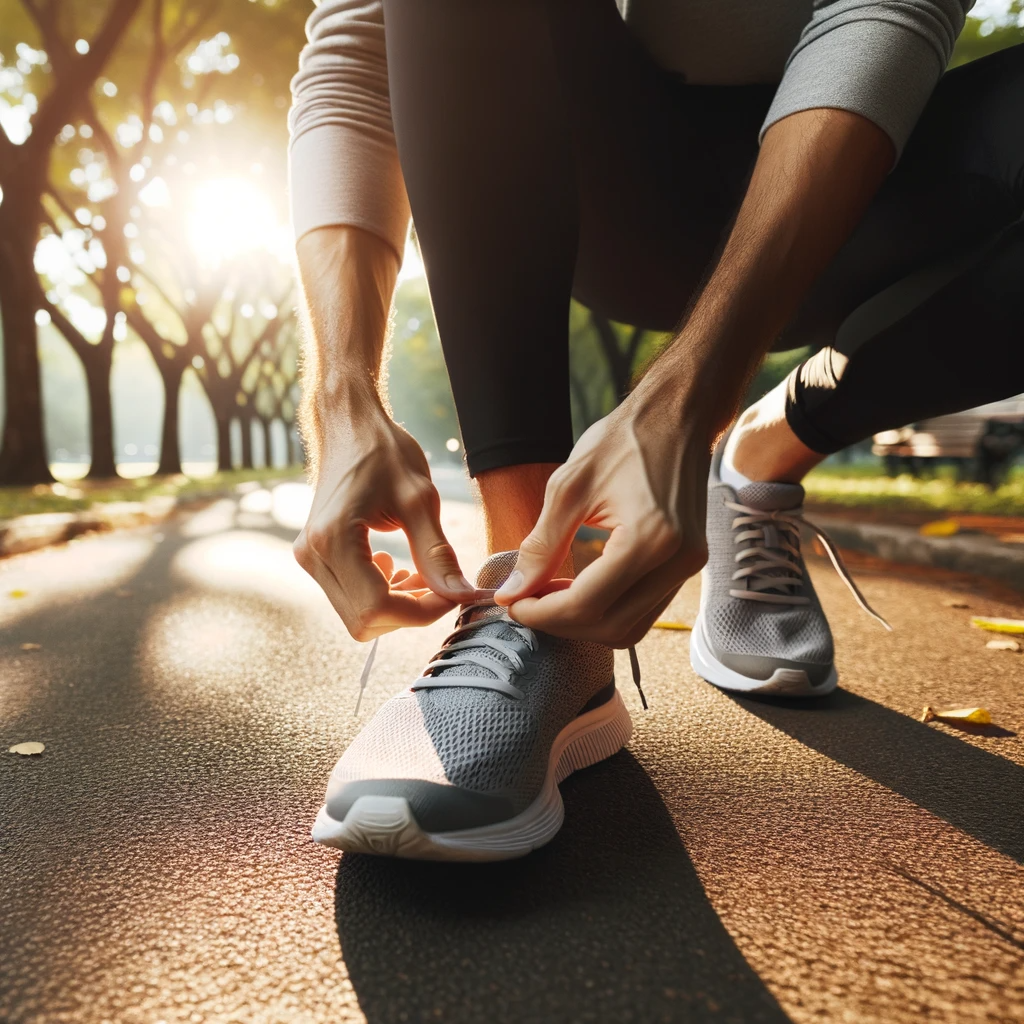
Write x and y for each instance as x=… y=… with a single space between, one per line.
x=31 y=647
x=976 y=716
x=17 y=593
x=940 y=528
x=669 y=624
x=998 y=625
x=27 y=749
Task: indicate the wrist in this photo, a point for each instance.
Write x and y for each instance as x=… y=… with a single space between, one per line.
x=690 y=396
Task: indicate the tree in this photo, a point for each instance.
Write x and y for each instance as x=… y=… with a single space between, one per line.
x=24 y=173
x=63 y=49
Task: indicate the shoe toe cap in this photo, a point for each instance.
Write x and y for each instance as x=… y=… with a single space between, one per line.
x=435 y=806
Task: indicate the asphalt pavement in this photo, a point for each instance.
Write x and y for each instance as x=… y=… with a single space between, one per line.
x=743 y=860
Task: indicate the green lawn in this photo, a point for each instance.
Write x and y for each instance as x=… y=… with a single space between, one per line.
x=80 y=494
x=865 y=485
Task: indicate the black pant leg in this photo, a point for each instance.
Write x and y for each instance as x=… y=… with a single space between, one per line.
x=544 y=152
x=938 y=264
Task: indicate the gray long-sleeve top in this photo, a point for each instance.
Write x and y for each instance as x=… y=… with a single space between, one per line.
x=878 y=58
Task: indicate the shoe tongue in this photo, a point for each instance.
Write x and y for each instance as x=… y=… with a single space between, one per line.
x=770 y=497
x=496 y=570
x=490 y=576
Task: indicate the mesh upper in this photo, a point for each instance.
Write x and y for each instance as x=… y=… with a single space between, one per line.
x=740 y=626
x=476 y=738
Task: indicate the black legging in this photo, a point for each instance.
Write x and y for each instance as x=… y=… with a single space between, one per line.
x=545 y=154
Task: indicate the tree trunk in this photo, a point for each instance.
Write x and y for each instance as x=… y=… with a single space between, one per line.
x=101 y=414
x=268 y=451
x=224 y=444
x=23 y=456
x=245 y=422
x=170 y=447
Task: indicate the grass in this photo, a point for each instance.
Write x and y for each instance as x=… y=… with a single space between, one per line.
x=81 y=494
x=858 y=485
x=864 y=485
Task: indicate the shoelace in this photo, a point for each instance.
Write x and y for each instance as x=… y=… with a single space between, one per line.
x=466 y=639
x=771 y=565
x=471 y=642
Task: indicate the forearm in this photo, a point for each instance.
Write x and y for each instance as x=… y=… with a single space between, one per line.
x=815 y=176
x=348 y=278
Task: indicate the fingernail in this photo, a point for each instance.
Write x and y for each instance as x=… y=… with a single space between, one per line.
x=512 y=584
x=458 y=582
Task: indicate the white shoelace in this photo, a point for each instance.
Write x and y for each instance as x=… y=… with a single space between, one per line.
x=771 y=567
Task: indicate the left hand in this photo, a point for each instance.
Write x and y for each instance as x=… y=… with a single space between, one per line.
x=638 y=475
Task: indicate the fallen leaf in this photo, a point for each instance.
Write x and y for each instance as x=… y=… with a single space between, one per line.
x=31 y=647
x=669 y=624
x=956 y=603
x=976 y=716
x=998 y=625
x=940 y=528
x=27 y=749
x=17 y=593
x=1003 y=645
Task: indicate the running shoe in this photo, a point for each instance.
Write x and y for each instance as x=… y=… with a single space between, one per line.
x=464 y=765
x=761 y=628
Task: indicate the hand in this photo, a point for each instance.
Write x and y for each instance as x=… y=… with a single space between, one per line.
x=644 y=479
x=375 y=477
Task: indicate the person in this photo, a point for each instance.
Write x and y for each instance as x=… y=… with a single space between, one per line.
x=750 y=175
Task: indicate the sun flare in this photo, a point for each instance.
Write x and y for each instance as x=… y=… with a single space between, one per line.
x=228 y=217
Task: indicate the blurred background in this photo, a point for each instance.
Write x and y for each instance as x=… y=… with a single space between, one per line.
x=147 y=288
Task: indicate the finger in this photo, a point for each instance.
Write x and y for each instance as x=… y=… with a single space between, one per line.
x=623 y=623
x=433 y=556
x=398 y=576
x=628 y=556
x=390 y=611
x=546 y=547
x=385 y=562
x=366 y=605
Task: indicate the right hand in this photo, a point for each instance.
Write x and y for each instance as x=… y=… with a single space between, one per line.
x=374 y=476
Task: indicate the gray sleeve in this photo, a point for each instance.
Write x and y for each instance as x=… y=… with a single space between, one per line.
x=342 y=161
x=877 y=58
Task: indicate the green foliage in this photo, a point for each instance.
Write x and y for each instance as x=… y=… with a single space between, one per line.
x=983 y=36
x=866 y=487
x=79 y=495
x=418 y=387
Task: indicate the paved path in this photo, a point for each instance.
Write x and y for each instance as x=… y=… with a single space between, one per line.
x=742 y=861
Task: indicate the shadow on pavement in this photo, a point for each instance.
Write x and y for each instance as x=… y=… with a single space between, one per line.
x=975 y=791
x=607 y=923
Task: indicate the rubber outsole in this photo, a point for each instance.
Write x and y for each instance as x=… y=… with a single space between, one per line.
x=386 y=826
x=784 y=682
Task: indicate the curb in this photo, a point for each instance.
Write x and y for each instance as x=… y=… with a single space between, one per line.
x=29 y=533
x=44 y=529
x=967 y=553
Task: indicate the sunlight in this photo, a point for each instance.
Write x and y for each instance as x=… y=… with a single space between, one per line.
x=231 y=216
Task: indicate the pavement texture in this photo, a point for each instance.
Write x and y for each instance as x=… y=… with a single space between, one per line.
x=742 y=861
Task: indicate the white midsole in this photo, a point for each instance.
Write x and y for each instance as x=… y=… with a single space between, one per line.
x=386 y=825
x=783 y=682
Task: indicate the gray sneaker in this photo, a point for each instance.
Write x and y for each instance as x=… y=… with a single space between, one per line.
x=465 y=763
x=761 y=628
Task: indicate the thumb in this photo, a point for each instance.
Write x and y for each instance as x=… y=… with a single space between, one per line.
x=433 y=556
x=546 y=547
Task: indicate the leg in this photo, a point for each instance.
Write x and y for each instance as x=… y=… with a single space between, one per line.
x=543 y=151
x=904 y=355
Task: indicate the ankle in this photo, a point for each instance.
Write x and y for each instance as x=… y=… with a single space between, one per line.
x=763 y=446
x=512 y=498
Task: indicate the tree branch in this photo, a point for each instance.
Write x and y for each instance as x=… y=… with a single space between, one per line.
x=72 y=334
x=76 y=78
